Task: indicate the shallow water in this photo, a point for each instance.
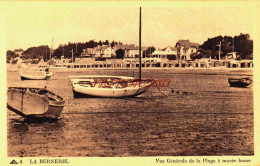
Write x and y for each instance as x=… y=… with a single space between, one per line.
x=203 y=116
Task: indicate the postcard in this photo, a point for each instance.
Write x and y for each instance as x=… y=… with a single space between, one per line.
x=129 y=83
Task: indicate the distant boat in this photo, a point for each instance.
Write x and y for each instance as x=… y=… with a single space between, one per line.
x=108 y=86
x=111 y=86
x=34 y=103
x=35 y=73
x=239 y=82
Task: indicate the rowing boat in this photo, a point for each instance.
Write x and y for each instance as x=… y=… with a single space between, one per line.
x=34 y=102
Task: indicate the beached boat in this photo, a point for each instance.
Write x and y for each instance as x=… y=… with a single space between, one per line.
x=34 y=103
x=35 y=74
x=239 y=82
x=111 y=86
x=108 y=86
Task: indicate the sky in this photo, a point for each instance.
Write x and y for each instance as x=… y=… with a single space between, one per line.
x=35 y=24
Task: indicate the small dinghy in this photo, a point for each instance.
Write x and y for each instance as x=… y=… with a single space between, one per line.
x=239 y=82
x=34 y=103
x=35 y=74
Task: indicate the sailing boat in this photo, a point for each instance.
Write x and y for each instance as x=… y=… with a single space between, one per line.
x=111 y=86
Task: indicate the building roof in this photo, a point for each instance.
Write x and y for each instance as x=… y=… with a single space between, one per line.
x=187 y=44
x=172 y=48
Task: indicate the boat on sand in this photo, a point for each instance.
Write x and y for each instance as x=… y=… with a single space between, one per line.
x=35 y=74
x=111 y=86
x=240 y=82
x=108 y=86
x=34 y=103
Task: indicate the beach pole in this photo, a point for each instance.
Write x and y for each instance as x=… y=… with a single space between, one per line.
x=140 y=62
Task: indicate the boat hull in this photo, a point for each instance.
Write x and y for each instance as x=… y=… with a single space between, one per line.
x=239 y=82
x=24 y=77
x=35 y=75
x=30 y=105
x=82 y=86
x=79 y=92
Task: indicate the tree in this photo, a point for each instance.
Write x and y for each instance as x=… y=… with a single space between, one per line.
x=77 y=48
x=91 y=44
x=113 y=43
x=25 y=56
x=14 y=61
x=106 y=42
x=18 y=50
x=100 y=43
x=201 y=53
x=242 y=45
x=11 y=54
x=37 y=52
x=120 y=53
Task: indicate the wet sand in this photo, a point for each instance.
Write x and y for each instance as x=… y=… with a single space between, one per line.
x=204 y=116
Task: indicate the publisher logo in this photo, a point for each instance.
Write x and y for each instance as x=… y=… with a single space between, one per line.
x=13 y=162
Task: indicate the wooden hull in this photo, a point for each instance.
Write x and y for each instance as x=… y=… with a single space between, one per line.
x=90 y=92
x=27 y=77
x=35 y=75
x=239 y=82
x=29 y=104
x=112 y=91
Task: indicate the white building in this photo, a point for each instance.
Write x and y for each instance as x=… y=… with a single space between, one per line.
x=185 y=48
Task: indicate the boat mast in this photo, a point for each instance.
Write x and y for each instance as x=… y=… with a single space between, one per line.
x=51 y=47
x=233 y=49
x=72 y=55
x=140 y=62
x=219 y=50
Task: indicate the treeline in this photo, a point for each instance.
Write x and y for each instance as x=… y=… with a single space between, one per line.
x=242 y=44
x=45 y=52
x=78 y=48
x=10 y=55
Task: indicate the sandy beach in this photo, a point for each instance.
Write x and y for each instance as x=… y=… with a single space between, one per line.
x=204 y=116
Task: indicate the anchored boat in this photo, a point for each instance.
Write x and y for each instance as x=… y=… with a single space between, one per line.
x=108 y=86
x=35 y=74
x=111 y=86
x=34 y=102
x=239 y=82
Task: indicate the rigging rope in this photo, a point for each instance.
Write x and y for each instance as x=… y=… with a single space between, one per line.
x=172 y=91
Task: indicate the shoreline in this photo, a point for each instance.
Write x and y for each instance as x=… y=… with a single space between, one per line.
x=239 y=72
x=14 y=67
